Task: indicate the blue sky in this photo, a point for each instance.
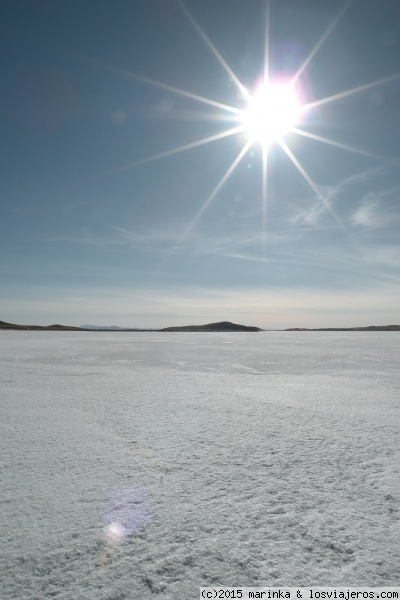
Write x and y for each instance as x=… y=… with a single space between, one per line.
x=100 y=225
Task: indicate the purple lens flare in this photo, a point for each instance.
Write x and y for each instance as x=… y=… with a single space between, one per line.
x=128 y=510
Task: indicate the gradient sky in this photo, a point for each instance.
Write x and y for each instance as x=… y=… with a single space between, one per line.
x=93 y=232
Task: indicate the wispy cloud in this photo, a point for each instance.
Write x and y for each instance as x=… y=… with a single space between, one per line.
x=158 y=240
x=365 y=215
x=378 y=209
x=112 y=236
x=292 y=248
x=312 y=216
x=384 y=256
x=355 y=201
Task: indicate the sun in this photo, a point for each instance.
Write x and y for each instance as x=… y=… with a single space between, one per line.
x=272 y=111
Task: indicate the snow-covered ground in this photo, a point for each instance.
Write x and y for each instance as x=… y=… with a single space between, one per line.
x=257 y=459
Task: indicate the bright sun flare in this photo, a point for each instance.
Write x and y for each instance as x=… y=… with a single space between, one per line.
x=271 y=113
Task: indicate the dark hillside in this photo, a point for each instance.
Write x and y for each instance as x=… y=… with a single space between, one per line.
x=221 y=326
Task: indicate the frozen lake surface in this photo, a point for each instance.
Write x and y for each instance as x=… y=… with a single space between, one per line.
x=147 y=464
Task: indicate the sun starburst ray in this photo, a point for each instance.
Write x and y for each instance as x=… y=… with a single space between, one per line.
x=214 y=50
x=207 y=202
x=319 y=138
x=247 y=115
x=321 y=41
x=312 y=185
x=264 y=188
x=127 y=74
x=266 y=42
x=177 y=150
x=355 y=90
x=265 y=150
x=217 y=188
x=181 y=92
x=264 y=198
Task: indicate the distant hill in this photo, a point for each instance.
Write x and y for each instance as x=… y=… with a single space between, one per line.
x=370 y=328
x=56 y=327
x=221 y=326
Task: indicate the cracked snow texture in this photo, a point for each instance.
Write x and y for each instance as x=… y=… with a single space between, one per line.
x=269 y=461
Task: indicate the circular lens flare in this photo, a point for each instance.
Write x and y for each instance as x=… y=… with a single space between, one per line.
x=272 y=111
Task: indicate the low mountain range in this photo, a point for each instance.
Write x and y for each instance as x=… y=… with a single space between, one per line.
x=58 y=327
x=221 y=326
x=370 y=328
x=4 y=325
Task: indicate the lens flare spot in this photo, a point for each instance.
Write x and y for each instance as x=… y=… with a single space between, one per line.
x=127 y=511
x=114 y=531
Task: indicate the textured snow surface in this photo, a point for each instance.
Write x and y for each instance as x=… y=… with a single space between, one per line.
x=257 y=459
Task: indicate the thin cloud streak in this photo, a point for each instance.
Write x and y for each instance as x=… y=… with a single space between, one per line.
x=341 y=263
x=369 y=262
